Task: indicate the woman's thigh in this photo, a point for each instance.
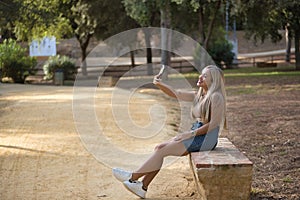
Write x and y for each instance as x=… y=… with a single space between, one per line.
x=173 y=148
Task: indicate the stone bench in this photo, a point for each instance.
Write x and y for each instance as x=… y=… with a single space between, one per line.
x=222 y=174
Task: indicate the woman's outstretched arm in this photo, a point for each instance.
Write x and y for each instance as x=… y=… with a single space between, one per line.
x=181 y=95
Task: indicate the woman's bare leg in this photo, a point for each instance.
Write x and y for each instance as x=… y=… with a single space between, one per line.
x=152 y=166
x=148 y=178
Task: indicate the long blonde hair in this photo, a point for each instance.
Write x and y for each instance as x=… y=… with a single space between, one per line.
x=217 y=85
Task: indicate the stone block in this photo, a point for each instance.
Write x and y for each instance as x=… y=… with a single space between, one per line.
x=222 y=174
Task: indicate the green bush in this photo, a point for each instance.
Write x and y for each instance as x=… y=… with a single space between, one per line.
x=219 y=48
x=221 y=53
x=60 y=63
x=14 y=63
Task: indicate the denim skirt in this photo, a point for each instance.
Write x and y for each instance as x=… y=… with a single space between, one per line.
x=205 y=142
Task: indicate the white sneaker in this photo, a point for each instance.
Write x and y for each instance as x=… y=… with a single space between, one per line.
x=136 y=188
x=121 y=174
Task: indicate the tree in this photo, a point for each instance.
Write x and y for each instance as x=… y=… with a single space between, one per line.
x=65 y=18
x=165 y=23
x=208 y=12
x=288 y=38
x=145 y=13
x=83 y=25
x=38 y=18
x=94 y=18
x=265 y=18
x=109 y=24
x=8 y=8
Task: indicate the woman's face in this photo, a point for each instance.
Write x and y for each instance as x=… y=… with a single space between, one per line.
x=204 y=79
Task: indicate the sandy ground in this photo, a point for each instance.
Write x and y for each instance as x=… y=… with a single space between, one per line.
x=48 y=152
x=42 y=155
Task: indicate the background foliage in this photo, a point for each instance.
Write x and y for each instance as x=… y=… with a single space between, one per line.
x=60 y=63
x=199 y=19
x=14 y=62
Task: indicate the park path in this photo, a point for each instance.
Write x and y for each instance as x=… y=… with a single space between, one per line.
x=42 y=156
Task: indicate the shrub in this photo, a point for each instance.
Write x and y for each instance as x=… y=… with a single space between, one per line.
x=60 y=63
x=221 y=53
x=219 y=49
x=14 y=63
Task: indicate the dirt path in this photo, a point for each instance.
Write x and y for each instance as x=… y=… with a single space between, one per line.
x=42 y=156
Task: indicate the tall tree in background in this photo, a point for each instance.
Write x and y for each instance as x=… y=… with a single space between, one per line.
x=65 y=18
x=88 y=18
x=201 y=17
x=266 y=18
x=165 y=24
x=60 y=18
x=100 y=19
x=8 y=16
x=114 y=20
x=207 y=11
x=29 y=19
x=83 y=25
x=146 y=14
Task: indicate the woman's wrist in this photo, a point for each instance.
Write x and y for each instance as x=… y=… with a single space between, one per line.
x=193 y=133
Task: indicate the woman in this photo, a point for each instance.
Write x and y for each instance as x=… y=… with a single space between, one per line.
x=209 y=106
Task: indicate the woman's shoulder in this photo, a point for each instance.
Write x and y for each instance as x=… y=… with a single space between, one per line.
x=217 y=97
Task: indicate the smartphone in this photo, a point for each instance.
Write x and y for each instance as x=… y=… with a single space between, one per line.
x=161 y=71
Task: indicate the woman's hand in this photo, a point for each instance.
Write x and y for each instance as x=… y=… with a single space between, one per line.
x=156 y=80
x=182 y=136
x=178 y=138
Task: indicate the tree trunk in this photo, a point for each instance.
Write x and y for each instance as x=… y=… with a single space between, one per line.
x=83 y=65
x=288 y=44
x=83 y=61
x=165 y=24
x=211 y=25
x=201 y=26
x=84 y=42
x=149 y=51
x=297 y=50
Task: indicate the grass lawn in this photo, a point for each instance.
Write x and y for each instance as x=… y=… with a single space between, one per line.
x=255 y=71
x=252 y=71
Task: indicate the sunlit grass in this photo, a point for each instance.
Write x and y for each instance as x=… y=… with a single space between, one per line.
x=242 y=90
x=253 y=72
x=258 y=73
x=256 y=191
x=261 y=69
x=287 y=179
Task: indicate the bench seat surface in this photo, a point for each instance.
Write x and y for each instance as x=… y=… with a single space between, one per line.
x=225 y=154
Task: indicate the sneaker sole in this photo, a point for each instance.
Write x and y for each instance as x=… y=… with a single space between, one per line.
x=132 y=191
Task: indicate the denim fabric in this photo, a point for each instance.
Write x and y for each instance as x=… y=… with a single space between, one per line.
x=196 y=125
x=201 y=142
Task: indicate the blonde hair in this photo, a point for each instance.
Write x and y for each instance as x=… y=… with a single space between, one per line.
x=217 y=85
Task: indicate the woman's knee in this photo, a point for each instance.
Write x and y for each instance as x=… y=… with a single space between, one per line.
x=171 y=149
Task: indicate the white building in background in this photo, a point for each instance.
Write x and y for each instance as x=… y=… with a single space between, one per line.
x=44 y=47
